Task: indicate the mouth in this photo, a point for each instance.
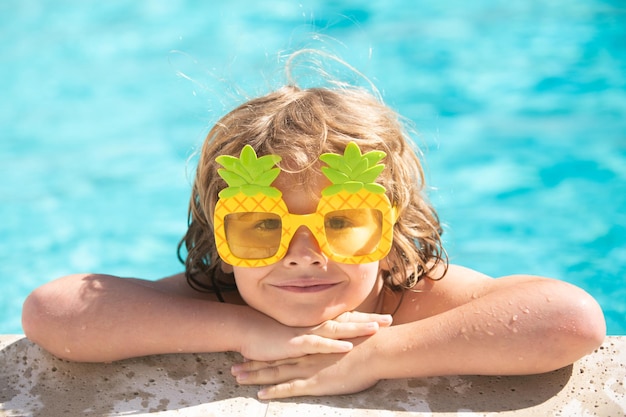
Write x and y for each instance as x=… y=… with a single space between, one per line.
x=306 y=285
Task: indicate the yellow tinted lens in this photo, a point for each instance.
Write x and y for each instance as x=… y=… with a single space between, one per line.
x=353 y=232
x=253 y=235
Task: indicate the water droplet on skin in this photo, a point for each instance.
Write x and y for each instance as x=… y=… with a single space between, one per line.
x=511 y=324
x=464 y=333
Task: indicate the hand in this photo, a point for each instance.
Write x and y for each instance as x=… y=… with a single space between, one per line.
x=265 y=339
x=317 y=374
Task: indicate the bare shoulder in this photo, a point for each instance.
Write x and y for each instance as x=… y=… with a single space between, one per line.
x=434 y=296
x=177 y=285
x=462 y=285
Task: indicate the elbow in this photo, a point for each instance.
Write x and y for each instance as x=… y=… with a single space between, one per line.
x=43 y=324
x=34 y=316
x=579 y=326
x=35 y=321
x=570 y=326
x=589 y=326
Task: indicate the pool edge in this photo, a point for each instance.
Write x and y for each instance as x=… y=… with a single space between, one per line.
x=199 y=385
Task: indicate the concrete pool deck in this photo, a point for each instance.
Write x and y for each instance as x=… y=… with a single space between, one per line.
x=35 y=383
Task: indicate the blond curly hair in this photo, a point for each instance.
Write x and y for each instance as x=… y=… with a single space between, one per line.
x=299 y=125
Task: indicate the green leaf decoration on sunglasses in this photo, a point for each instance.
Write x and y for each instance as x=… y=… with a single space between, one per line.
x=353 y=171
x=249 y=174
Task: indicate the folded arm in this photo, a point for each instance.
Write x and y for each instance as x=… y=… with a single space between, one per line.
x=101 y=318
x=512 y=325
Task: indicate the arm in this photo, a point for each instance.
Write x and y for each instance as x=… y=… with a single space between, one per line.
x=99 y=318
x=514 y=326
x=511 y=325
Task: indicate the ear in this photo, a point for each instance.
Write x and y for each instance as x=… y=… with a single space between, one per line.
x=226 y=268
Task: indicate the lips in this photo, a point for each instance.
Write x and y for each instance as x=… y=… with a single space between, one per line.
x=308 y=285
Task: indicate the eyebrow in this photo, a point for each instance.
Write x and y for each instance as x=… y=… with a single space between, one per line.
x=246 y=215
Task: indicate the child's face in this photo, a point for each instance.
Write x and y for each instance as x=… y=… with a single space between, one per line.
x=305 y=288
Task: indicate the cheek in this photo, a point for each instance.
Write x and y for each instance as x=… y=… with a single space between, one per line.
x=247 y=280
x=368 y=271
x=364 y=275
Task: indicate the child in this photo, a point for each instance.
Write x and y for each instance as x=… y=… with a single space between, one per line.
x=309 y=232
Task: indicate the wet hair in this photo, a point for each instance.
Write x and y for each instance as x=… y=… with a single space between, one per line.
x=299 y=125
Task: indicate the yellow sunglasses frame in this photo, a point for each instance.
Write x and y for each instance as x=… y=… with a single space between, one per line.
x=292 y=222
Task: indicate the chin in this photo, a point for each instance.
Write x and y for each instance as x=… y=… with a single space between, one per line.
x=303 y=320
x=297 y=322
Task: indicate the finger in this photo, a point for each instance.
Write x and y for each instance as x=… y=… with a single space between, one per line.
x=311 y=386
x=294 y=388
x=311 y=343
x=270 y=375
x=336 y=330
x=358 y=317
x=308 y=344
x=250 y=366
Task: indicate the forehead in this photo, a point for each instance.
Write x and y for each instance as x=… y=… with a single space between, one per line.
x=301 y=191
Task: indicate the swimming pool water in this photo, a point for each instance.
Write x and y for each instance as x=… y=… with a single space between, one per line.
x=520 y=108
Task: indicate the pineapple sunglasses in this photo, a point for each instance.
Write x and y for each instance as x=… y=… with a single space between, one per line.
x=353 y=222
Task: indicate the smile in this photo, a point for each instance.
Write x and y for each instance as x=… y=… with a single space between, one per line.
x=305 y=286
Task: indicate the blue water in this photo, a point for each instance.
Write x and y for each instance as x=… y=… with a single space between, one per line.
x=521 y=110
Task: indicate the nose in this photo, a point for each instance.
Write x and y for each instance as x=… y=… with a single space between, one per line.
x=304 y=250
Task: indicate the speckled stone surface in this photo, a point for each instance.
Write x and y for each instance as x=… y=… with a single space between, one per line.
x=35 y=383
